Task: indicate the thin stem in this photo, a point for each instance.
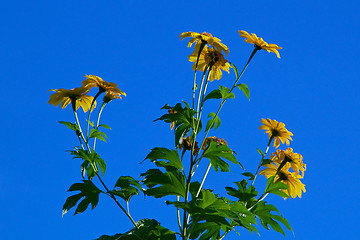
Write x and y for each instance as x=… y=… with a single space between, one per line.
x=199 y=97
x=224 y=100
x=222 y=237
x=263 y=196
x=185 y=216
x=90 y=110
x=262 y=159
x=196 y=65
x=96 y=171
x=98 y=121
x=178 y=215
x=203 y=180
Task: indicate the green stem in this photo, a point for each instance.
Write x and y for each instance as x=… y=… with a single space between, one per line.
x=178 y=215
x=200 y=93
x=224 y=100
x=196 y=65
x=96 y=171
x=185 y=216
x=262 y=159
x=91 y=108
x=98 y=121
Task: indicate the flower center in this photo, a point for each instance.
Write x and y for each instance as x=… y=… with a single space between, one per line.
x=275 y=132
x=282 y=176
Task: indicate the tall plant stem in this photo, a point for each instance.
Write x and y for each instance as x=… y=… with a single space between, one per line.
x=224 y=100
x=262 y=159
x=185 y=216
x=91 y=108
x=196 y=65
x=96 y=170
x=98 y=121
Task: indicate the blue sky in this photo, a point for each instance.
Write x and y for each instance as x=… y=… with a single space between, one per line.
x=313 y=89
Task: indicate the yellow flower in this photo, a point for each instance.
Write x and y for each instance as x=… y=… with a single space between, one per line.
x=76 y=95
x=294 y=159
x=270 y=47
x=95 y=81
x=276 y=130
x=296 y=187
x=110 y=95
x=206 y=38
x=210 y=57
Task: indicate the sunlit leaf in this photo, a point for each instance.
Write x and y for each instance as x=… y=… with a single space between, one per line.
x=88 y=191
x=244 y=88
x=70 y=125
x=172 y=156
x=213 y=122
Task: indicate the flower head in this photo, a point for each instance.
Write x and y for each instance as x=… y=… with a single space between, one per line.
x=110 y=95
x=186 y=145
x=295 y=160
x=276 y=130
x=95 y=81
x=296 y=187
x=205 y=38
x=270 y=47
x=218 y=141
x=77 y=96
x=210 y=57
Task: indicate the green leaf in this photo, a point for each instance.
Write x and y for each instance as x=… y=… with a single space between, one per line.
x=216 y=154
x=266 y=161
x=87 y=190
x=244 y=193
x=183 y=118
x=248 y=174
x=126 y=187
x=148 y=229
x=260 y=152
x=264 y=212
x=160 y=184
x=95 y=133
x=243 y=87
x=92 y=158
x=104 y=126
x=235 y=70
x=213 y=122
x=90 y=123
x=225 y=92
x=163 y=153
x=214 y=94
x=275 y=188
x=70 y=125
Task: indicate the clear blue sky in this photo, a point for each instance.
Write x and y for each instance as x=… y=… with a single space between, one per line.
x=313 y=89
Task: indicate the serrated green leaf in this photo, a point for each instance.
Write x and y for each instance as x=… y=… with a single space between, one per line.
x=126 y=187
x=172 y=156
x=244 y=88
x=183 y=118
x=263 y=212
x=160 y=184
x=213 y=122
x=92 y=158
x=70 y=125
x=87 y=190
x=216 y=154
x=214 y=94
x=244 y=193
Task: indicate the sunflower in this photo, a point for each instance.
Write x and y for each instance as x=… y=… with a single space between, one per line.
x=76 y=95
x=270 y=47
x=95 y=81
x=205 y=38
x=296 y=187
x=288 y=156
x=276 y=130
x=110 y=95
x=210 y=57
